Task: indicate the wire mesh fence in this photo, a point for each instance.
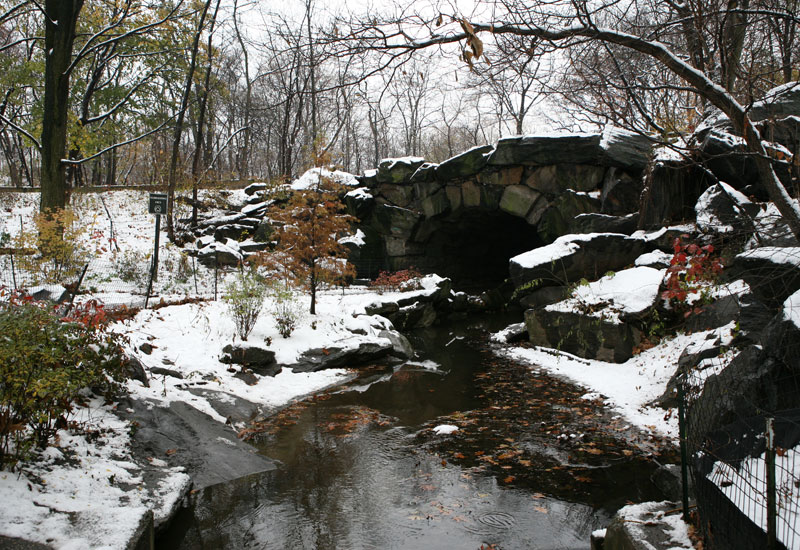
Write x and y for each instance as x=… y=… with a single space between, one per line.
x=121 y=282
x=743 y=442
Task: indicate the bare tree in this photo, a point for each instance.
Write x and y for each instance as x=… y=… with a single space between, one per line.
x=567 y=24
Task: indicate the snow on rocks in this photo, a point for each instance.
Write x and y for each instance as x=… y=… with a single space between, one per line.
x=648 y=525
x=773 y=273
x=723 y=209
x=89 y=492
x=656 y=259
x=615 y=297
x=594 y=321
x=573 y=257
x=311 y=178
x=629 y=387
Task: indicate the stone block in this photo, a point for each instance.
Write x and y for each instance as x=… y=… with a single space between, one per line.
x=471 y=193
x=518 y=200
x=504 y=176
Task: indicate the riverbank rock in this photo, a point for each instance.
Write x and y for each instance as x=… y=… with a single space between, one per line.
x=183 y=436
x=258 y=359
x=574 y=257
x=417 y=309
x=333 y=357
x=595 y=322
x=648 y=526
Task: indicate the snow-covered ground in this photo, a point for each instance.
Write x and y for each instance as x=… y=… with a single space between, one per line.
x=78 y=503
x=76 y=494
x=82 y=491
x=627 y=387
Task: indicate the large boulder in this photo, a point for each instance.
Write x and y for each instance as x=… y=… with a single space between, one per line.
x=464 y=165
x=594 y=322
x=782 y=334
x=398 y=170
x=581 y=334
x=753 y=383
x=625 y=149
x=335 y=357
x=621 y=193
x=772 y=273
x=593 y=222
x=256 y=358
x=218 y=254
x=671 y=191
x=573 y=257
x=359 y=202
x=723 y=209
x=235 y=231
x=256 y=187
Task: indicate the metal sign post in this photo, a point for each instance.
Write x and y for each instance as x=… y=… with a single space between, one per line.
x=157 y=206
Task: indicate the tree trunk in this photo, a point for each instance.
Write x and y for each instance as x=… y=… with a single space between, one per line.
x=201 y=118
x=176 y=136
x=8 y=151
x=244 y=160
x=59 y=36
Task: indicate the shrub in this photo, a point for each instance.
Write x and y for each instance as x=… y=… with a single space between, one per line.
x=405 y=279
x=45 y=364
x=245 y=298
x=56 y=237
x=286 y=308
x=692 y=268
x=133 y=266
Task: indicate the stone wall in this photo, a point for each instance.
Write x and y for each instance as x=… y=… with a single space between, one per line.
x=465 y=217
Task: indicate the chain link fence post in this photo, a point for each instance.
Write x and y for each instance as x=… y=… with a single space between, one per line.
x=772 y=507
x=683 y=444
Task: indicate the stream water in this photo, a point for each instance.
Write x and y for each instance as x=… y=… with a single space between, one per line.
x=354 y=473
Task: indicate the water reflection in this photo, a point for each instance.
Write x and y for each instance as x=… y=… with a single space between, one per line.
x=352 y=477
x=346 y=492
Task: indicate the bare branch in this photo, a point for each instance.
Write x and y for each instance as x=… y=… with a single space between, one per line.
x=21 y=130
x=112 y=147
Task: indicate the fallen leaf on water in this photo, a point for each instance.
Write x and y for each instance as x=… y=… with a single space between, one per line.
x=508 y=479
x=540 y=509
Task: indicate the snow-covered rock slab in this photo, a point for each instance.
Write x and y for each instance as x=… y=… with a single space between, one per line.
x=723 y=209
x=313 y=177
x=592 y=322
x=573 y=257
x=616 y=297
x=651 y=525
x=773 y=273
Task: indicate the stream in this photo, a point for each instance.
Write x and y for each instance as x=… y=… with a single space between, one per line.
x=361 y=468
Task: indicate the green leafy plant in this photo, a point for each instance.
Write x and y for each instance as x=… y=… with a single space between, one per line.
x=133 y=266
x=46 y=362
x=56 y=238
x=286 y=308
x=245 y=297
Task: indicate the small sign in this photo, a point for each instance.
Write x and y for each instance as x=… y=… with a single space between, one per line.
x=158 y=203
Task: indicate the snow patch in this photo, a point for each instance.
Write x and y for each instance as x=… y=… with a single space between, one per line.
x=445 y=429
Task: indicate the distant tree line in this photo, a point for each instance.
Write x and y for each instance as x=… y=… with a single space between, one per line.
x=180 y=92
